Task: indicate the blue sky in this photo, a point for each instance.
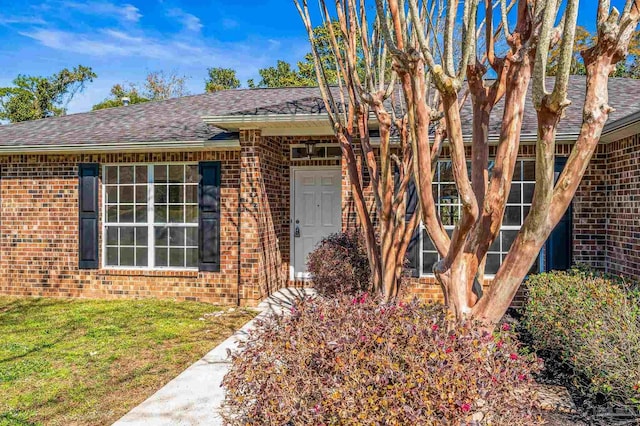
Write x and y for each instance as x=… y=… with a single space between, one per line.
x=123 y=41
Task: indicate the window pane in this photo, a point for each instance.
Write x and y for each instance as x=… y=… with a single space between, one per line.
x=162 y=236
x=191 y=194
x=449 y=214
x=160 y=194
x=427 y=244
x=428 y=260
x=446 y=171
x=192 y=236
x=160 y=213
x=112 y=174
x=512 y=216
x=529 y=171
x=126 y=194
x=141 y=194
x=525 y=212
x=142 y=236
x=126 y=214
x=176 y=173
x=191 y=213
x=176 y=257
x=299 y=152
x=448 y=194
x=160 y=174
x=112 y=194
x=141 y=213
x=127 y=256
x=126 y=175
x=112 y=256
x=192 y=258
x=162 y=257
x=493 y=263
x=176 y=194
x=142 y=257
x=176 y=236
x=528 y=192
x=495 y=246
x=141 y=174
x=507 y=240
x=517 y=171
x=176 y=214
x=112 y=236
x=515 y=193
x=126 y=236
x=192 y=173
x=112 y=214
x=334 y=152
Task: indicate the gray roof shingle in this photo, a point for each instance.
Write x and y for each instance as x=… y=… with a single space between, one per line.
x=180 y=119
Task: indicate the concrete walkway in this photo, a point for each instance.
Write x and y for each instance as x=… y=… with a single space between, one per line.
x=194 y=397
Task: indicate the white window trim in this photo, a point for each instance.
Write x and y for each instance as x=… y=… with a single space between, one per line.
x=149 y=224
x=501 y=252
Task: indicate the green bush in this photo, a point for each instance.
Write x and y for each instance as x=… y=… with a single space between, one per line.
x=591 y=324
x=339 y=265
x=353 y=361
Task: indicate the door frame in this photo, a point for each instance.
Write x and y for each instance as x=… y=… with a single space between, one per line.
x=292 y=177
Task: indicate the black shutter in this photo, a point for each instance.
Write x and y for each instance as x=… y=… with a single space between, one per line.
x=413 y=251
x=559 y=246
x=88 y=216
x=209 y=229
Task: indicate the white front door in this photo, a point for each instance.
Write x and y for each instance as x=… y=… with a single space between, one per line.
x=317 y=212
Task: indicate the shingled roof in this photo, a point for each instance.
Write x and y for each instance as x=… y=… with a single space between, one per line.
x=180 y=119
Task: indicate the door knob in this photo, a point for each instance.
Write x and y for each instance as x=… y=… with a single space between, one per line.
x=296 y=232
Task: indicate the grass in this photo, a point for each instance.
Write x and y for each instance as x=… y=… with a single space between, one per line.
x=88 y=362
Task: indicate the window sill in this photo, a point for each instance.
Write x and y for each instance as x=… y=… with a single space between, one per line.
x=149 y=272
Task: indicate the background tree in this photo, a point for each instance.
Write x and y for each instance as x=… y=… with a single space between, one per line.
x=221 y=79
x=583 y=39
x=118 y=92
x=282 y=75
x=424 y=66
x=34 y=97
x=158 y=85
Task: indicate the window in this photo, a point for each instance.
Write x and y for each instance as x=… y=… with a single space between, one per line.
x=320 y=151
x=151 y=216
x=449 y=206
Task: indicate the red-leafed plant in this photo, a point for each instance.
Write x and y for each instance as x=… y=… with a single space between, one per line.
x=353 y=360
x=339 y=265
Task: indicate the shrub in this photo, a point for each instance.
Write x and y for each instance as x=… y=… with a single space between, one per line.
x=591 y=324
x=354 y=361
x=339 y=265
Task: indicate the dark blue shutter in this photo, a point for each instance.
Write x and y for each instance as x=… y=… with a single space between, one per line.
x=209 y=223
x=413 y=251
x=559 y=246
x=88 y=216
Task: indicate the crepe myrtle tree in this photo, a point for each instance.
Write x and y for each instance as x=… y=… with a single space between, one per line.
x=439 y=51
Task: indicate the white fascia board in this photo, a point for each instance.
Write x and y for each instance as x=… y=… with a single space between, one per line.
x=222 y=145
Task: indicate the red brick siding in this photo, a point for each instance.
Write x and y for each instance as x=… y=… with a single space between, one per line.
x=623 y=207
x=39 y=233
x=590 y=213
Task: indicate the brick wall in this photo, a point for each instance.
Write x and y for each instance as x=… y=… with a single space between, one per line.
x=590 y=213
x=39 y=233
x=623 y=207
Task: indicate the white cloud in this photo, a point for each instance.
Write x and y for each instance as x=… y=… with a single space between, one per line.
x=188 y=21
x=32 y=20
x=125 y=12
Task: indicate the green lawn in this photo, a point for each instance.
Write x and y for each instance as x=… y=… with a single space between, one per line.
x=88 y=362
